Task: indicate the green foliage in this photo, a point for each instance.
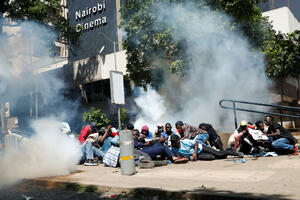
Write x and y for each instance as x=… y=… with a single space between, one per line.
x=73 y=187
x=95 y=115
x=47 y=12
x=90 y=188
x=149 y=40
x=123 y=116
x=283 y=55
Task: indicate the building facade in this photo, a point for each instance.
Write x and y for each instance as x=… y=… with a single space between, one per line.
x=285 y=21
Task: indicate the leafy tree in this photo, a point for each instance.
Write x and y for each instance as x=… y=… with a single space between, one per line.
x=123 y=116
x=147 y=39
x=283 y=56
x=97 y=116
x=47 y=12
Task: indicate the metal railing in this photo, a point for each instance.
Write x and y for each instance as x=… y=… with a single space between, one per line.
x=278 y=107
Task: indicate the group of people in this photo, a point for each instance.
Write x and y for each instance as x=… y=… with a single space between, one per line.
x=188 y=142
x=257 y=139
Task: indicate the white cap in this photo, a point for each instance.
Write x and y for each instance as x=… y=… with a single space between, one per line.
x=113 y=130
x=65 y=127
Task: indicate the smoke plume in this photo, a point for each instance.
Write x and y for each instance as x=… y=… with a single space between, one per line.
x=45 y=151
x=223 y=65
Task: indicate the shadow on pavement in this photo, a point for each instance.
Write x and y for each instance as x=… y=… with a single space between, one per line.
x=43 y=190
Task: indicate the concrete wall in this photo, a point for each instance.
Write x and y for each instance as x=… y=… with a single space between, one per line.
x=283 y=20
x=94 y=68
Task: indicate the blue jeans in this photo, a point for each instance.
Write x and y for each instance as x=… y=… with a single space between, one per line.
x=115 y=141
x=202 y=138
x=106 y=144
x=110 y=141
x=88 y=151
x=282 y=143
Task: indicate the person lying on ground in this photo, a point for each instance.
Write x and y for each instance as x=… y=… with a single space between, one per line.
x=195 y=151
x=86 y=131
x=214 y=139
x=157 y=149
x=188 y=131
x=284 y=142
x=146 y=133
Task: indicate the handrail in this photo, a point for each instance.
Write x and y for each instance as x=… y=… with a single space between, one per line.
x=279 y=107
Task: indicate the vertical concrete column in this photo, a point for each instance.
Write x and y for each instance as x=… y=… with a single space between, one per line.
x=127 y=153
x=118 y=6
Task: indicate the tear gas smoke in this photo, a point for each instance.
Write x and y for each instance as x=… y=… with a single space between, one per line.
x=47 y=153
x=24 y=49
x=223 y=65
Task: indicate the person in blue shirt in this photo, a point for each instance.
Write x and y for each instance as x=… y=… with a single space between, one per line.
x=195 y=151
x=165 y=136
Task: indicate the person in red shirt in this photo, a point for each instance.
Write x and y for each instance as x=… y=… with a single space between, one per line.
x=86 y=131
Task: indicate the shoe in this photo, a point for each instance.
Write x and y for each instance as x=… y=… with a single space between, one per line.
x=239 y=154
x=158 y=163
x=296 y=150
x=146 y=164
x=90 y=162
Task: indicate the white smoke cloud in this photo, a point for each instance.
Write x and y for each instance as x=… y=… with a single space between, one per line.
x=24 y=49
x=223 y=66
x=47 y=153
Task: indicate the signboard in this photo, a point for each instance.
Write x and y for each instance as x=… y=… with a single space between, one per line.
x=91 y=17
x=117 y=87
x=12 y=122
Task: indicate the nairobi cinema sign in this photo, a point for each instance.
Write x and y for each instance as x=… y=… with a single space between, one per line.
x=87 y=13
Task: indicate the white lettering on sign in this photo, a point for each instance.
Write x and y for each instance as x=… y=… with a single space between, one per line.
x=92 y=24
x=88 y=12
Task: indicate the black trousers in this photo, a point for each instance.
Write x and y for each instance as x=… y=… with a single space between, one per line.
x=209 y=153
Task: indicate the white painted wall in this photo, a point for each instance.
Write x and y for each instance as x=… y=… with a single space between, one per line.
x=100 y=65
x=283 y=20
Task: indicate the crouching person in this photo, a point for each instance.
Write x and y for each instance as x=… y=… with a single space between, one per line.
x=89 y=152
x=196 y=151
x=284 y=142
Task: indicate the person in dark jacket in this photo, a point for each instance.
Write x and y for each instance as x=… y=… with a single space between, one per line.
x=214 y=139
x=284 y=142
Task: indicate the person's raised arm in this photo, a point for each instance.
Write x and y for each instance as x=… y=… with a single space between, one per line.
x=195 y=151
x=106 y=134
x=162 y=139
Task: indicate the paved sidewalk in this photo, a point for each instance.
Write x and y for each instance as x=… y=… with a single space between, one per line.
x=276 y=177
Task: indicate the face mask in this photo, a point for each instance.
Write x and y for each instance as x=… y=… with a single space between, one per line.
x=160 y=130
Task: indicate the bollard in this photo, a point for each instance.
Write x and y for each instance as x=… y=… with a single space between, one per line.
x=12 y=140
x=127 y=152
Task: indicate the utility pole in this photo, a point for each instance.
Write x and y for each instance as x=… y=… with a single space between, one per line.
x=3 y=119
